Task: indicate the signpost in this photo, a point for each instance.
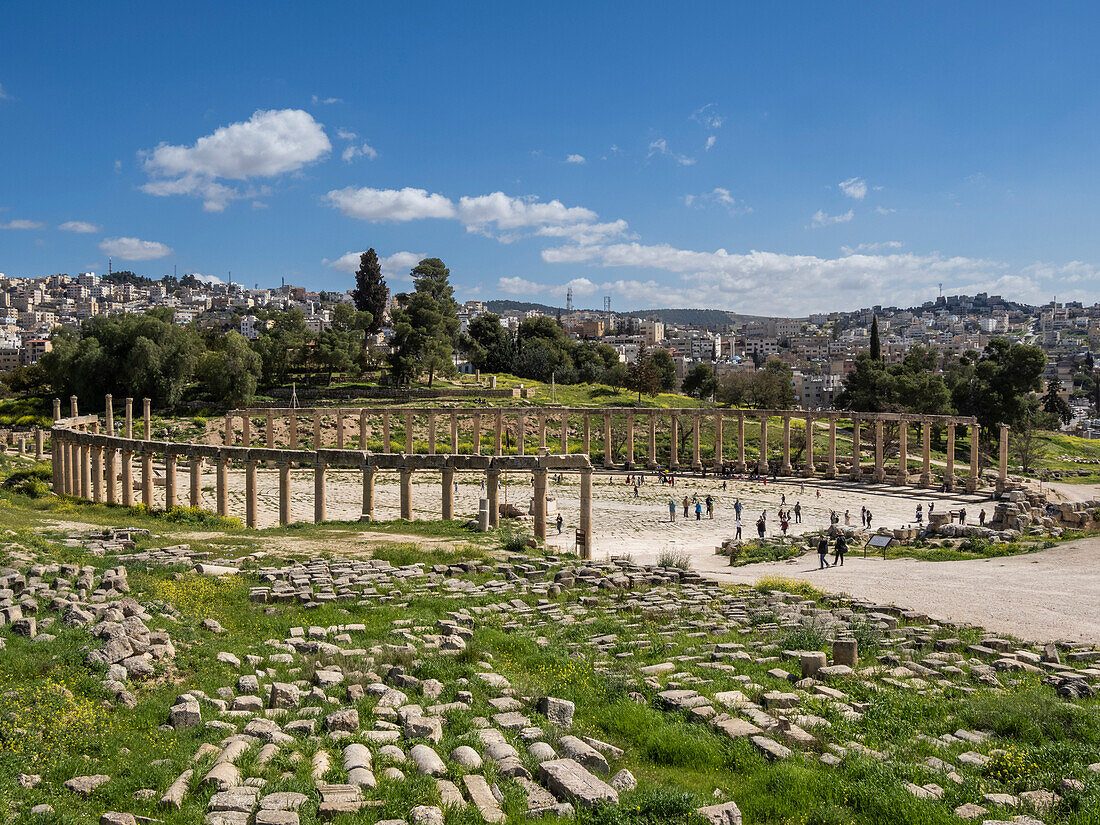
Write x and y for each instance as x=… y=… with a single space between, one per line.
x=877 y=542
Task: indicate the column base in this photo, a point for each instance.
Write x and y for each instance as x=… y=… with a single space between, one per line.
x=1000 y=486
x=740 y=467
x=878 y=476
x=652 y=464
x=808 y=472
x=629 y=465
x=830 y=472
x=901 y=479
x=762 y=469
x=785 y=469
x=925 y=479
x=697 y=466
x=972 y=485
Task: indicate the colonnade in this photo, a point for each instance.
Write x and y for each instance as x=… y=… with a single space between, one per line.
x=514 y=430
x=101 y=468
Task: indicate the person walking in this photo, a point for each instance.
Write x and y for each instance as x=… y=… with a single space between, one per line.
x=635 y=491
x=822 y=552
x=738 y=536
x=561 y=521
x=981 y=518
x=761 y=525
x=920 y=514
x=962 y=515
x=710 y=507
x=847 y=518
x=698 y=511
x=868 y=519
x=737 y=508
x=671 y=511
x=797 y=512
x=783 y=500
x=783 y=523
x=687 y=502
x=839 y=549
x=863 y=516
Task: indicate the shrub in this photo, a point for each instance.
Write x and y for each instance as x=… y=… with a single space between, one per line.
x=671 y=558
x=33 y=482
x=788 y=585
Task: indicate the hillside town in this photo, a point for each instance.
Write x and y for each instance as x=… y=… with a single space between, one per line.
x=820 y=349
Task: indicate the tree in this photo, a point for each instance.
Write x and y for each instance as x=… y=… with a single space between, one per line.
x=994 y=386
x=642 y=376
x=371 y=293
x=282 y=347
x=876 y=345
x=773 y=386
x=425 y=325
x=735 y=388
x=230 y=374
x=1053 y=402
x=543 y=350
x=1025 y=447
x=666 y=369
x=489 y=346
x=700 y=382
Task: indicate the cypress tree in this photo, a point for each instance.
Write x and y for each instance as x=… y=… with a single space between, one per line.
x=371 y=293
x=876 y=345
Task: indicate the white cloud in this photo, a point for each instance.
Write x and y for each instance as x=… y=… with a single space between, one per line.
x=505 y=212
x=346 y=134
x=854 y=188
x=79 y=226
x=133 y=249
x=259 y=205
x=582 y=287
x=660 y=147
x=708 y=116
x=20 y=223
x=575 y=159
x=720 y=196
x=406 y=204
x=268 y=144
x=364 y=151
x=876 y=246
x=3 y=95
x=821 y=219
x=585 y=233
x=882 y=210
x=207 y=279
x=520 y=286
x=710 y=143
x=325 y=101
x=394 y=267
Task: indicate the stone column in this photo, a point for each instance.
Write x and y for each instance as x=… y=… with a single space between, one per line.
x=109 y=414
x=406 y=494
x=129 y=430
x=196 y=481
x=227 y=438
x=363 y=430
x=250 y=493
x=607 y=458
x=830 y=466
x=292 y=436
x=879 y=475
x=477 y=433
x=674 y=442
x=1002 y=461
x=949 y=471
x=269 y=430
x=56 y=409
x=319 y=470
x=74 y=469
x=409 y=433
x=857 y=470
x=368 y=493
x=808 y=465
x=39 y=444
x=97 y=474
x=147 y=417
x=696 y=460
x=521 y=434
x=974 y=480
x=73 y=408
x=284 y=494
x=718 y=453
x=492 y=492
x=223 y=485
x=540 y=503
x=387 y=446
x=651 y=463
x=926 y=453
x=246 y=430
x=317 y=430
x=586 y=435
x=785 y=463
x=630 y=441
x=339 y=428
x=56 y=463
x=585 y=525
x=498 y=432
x=902 y=478
x=542 y=431
x=741 y=465
x=128 y=478
x=147 y=478
x=85 y=471
x=431 y=433
x=169 y=480
x=454 y=433
x=448 y=510
x=111 y=466
x=565 y=433
x=762 y=463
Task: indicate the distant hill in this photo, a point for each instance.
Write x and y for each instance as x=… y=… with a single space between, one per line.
x=695 y=317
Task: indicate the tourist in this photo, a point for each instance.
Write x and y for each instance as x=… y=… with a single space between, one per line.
x=822 y=552
x=761 y=525
x=802 y=488
x=698 y=511
x=783 y=500
x=635 y=491
x=687 y=503
x=738 y=536
x=671 y=511
x=798 y=512
x=561 y=521
x=817 y=493
x=783 y=523
x=724 y=483
x=868 y=519
x=847 y=518
x=710 y=507
x=981 y=518
x=737 y=507
x=962 y=515
x=863 y=516
x=920 y=514
x=839 y=550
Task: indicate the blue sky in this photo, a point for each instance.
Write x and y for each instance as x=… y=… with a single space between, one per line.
x=766 y=158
